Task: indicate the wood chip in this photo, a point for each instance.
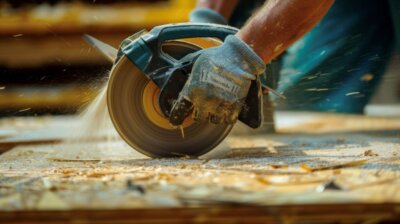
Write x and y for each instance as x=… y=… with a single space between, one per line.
x=333 y=167
x=262 y=181
x=370 y=153
x=100 y=173
x=279 y=166
x=330 y=185
x=74 y=160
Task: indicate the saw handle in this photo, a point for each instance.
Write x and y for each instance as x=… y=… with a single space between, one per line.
x=192 y=30
x=145 y=52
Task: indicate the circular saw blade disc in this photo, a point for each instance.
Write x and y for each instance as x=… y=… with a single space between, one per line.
x=126 y=107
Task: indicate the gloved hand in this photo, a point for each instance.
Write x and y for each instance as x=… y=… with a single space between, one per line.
x=205 y=15
x=220 y=81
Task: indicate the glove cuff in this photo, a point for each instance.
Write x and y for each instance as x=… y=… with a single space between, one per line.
x=206 y=15
x=257 y=65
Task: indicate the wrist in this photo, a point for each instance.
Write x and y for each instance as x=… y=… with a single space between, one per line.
x=257 y=65
x=246 y=38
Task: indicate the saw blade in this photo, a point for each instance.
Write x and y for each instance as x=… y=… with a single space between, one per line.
x=139 y=127
x=107 y=50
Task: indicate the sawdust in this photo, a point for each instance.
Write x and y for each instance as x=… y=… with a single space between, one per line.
x=264 y=169
x=94 y=125
x=370 y=153
x=177 y=182
x=95 y=122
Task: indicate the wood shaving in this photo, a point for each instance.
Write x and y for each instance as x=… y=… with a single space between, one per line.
x=370 y=153
x=279 y=166
x=333 y=167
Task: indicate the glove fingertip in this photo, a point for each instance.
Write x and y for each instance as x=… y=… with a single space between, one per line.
x=206 y=15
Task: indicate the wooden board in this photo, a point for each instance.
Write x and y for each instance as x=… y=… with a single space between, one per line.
x=78 y=17
x=349 y=213
x=317 y=168
x=56 y=30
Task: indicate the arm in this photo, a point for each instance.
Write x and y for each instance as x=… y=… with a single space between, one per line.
x=280 y=23
x=221 y=76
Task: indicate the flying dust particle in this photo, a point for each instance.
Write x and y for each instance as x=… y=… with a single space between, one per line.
x=278 y=47
x=367 y=77
x=23 y=110
x=352 y=93
x=182 y=131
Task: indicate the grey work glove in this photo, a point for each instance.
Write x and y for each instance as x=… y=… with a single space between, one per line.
x=220 y=81
x=205 y=15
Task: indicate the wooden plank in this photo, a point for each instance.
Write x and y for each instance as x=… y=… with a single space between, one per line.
x=264 y=174
x=25 y=99
x=348 y=213
x=20 y=52
x=77 y=17
x=29 y=131
x=54 y=128
x=56 y=30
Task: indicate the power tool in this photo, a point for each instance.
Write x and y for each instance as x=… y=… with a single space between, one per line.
x=149 y=71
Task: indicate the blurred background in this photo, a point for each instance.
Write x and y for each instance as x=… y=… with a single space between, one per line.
x=46 y=67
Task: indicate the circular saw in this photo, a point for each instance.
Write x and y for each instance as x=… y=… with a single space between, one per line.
x=149 y=71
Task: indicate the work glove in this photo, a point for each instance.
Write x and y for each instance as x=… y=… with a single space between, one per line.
x=219 y=83
x=205 y=15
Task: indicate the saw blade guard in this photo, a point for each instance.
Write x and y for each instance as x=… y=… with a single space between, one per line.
x=146 y=51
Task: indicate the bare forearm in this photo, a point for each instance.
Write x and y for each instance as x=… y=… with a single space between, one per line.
x=280 y=23
x=223 y=7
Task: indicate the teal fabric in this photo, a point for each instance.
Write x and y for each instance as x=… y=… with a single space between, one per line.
x=338 y=65
x=205 y=15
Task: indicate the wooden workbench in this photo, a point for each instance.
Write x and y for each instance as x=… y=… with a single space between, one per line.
x=318 y=168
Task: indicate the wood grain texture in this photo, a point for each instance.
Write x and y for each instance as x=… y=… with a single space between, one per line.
x=350 y=213
x=252 y=177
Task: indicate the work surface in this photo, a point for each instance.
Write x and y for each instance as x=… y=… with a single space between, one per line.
x=317 y=167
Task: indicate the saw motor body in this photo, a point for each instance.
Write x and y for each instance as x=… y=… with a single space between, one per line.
x=148 y=74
